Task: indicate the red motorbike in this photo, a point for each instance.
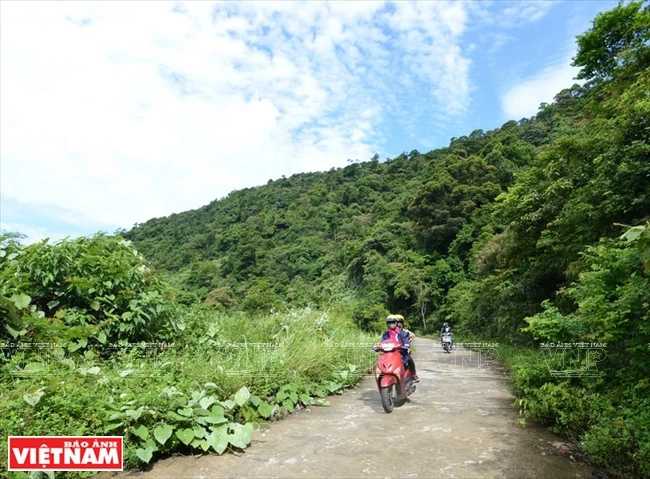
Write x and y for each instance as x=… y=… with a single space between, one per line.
x=395 y=383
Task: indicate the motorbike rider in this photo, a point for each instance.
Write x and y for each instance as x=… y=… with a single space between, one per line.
x=447 y=329
x=394 y=333
x=410 y=364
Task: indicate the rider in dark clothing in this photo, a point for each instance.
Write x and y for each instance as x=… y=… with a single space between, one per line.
x=447 y=329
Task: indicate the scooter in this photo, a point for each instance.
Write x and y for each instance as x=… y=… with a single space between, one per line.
x=394 y=381
x=446 y=342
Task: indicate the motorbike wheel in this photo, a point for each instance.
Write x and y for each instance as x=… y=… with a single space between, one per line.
x=387 y=398
x=446 y=347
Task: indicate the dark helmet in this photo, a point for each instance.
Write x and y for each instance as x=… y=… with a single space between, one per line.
x=391 y=320
x=446 y=325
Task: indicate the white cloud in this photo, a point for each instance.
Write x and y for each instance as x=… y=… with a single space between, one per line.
x=511 y=14
x=123 y=111
x=523 y=99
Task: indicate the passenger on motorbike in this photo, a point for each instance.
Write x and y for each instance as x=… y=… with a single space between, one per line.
x=400 y=323
x=447 y=329
x=410 y=364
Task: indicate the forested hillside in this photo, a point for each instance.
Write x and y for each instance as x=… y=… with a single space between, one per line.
x=513 y=234
x=515 y=207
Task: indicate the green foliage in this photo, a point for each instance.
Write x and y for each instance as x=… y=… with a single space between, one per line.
x=169 y=401
x=641 y=236
x=96 y=289
x=618 y=37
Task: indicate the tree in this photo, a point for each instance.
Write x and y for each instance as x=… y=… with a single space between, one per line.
x=618 y=38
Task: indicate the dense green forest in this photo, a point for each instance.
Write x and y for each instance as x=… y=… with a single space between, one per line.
x=500 y=221
x=534 y=232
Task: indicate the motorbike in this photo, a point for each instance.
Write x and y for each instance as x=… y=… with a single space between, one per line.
x=446 y=342
x=394 y=381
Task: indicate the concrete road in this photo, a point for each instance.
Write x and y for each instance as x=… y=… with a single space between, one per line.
x=458 y=424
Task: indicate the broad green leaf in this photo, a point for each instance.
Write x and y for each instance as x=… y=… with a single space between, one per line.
x=172 y=416
x=185 y=411
x=13 y=332
x=206 y=402
x=162 y=433
x=33 y=398
x=241 y=435
x=68 y=362
x=218 y=439
x=319 y=392
x=140 y=431
x=95 y=305
x=332 y=386
x=633 y=233
x=217 y=411
x=242 y=396
x=199 y=432
x=101 y=337
x=32 y=367
x=205 y=444
x=145 y=454
x=211 y=420
x=53 y=304
x=110 y=427
x=94 y=370
x=265 y=410
x=288 y=404
x=133 y=414
x=255 y=400
x=21 y=300
x=185 y=436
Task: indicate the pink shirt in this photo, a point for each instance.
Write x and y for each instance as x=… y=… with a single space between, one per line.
x=392 y=334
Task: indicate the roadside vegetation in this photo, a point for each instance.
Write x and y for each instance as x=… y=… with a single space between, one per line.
x=95 y=344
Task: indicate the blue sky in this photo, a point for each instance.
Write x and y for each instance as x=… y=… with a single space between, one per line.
x=112 y=113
